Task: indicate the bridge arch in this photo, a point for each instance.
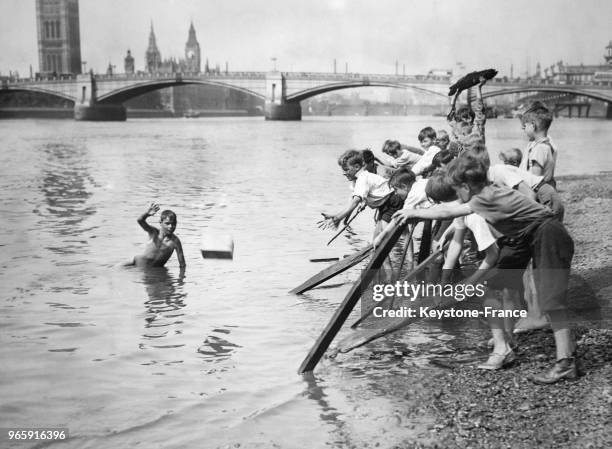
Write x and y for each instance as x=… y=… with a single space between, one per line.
x=308 y=93
x=123 y=94
x=38 y=90
x=553 y=89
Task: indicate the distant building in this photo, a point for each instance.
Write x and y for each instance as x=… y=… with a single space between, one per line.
x=128 y=63
x=193 y=59
x=152 y=56
x=191 y=63
x=59 y=41
x=581 y=74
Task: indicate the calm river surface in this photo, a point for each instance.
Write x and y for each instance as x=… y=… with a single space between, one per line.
x=124 y=357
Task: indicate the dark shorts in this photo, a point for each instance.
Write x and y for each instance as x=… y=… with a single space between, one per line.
x=514 y=256
x=393 y=203
x=552 y=250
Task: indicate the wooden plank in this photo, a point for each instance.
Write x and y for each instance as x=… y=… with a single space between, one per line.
x=431 y=260
x=332 y=270
x=343 y=311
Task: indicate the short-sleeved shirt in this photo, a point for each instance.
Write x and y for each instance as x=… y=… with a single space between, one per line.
x=544 y=153
x=406 y=158
x=511 y=176
x=417 y=198
x=508 y=211
x=426 y=160
x=479 y=227
x=371 y=188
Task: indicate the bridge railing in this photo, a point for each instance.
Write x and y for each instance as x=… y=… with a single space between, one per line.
x=183 y=75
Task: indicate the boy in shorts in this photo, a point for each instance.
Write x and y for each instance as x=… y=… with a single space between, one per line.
x=517 y=217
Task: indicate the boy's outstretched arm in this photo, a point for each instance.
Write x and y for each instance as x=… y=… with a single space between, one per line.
x=179 y=253
x=441 y=212
x=142 y=220
x=337 y=218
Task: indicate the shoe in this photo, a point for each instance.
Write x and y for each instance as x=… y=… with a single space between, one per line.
x=513 y=343
x=498 y=361
x=562 y=369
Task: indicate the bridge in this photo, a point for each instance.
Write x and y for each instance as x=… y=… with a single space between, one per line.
x=101 y=97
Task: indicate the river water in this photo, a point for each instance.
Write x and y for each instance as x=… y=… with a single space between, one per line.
x=124 y=357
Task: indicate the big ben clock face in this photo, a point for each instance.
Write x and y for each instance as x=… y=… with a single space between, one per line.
x=190 y=54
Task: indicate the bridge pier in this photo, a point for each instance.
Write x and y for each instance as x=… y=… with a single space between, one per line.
x=284 y=111
x=100 y=112
x=609 y=111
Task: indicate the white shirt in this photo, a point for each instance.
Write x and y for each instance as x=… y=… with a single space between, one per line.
x=417 y=198
x=371 y=188
x=426 y=159
x=511 y=176
x=479 y=227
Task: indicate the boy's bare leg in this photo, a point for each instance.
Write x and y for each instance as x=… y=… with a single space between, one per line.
x=535 y=318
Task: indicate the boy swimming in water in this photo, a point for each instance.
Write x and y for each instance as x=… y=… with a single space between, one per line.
x=163 y=241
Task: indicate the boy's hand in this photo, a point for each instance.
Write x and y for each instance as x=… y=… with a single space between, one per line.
x=328 y=221
x=404 y=215
x=153 y=208
x=483 y=80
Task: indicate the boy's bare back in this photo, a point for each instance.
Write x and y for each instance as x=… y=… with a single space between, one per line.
x=163 y=241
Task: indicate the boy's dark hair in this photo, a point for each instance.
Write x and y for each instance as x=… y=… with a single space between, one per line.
x=442 y=157
x=402 y=177
x=468 y=169
x=427 y=132
x=367 y=156
x=167 y=214
x=391 y=145
x=439 y=189
x=465 y=113
x=538 y=114
x=475 y=147
x=350 y=157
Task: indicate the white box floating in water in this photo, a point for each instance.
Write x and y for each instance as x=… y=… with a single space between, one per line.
x=215 y=246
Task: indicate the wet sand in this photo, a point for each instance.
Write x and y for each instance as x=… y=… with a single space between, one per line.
x=503 y=409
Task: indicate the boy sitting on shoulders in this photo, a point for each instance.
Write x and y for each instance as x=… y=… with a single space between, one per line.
x=163 y=241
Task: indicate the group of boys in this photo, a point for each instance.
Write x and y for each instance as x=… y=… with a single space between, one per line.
x=512 y=211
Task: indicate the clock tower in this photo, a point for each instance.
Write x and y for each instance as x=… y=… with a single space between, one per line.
x=192 y=52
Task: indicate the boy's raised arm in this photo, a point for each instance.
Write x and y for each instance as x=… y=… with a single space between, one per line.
x=142 y=220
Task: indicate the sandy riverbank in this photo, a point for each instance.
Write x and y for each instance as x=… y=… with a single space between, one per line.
x=503 y=409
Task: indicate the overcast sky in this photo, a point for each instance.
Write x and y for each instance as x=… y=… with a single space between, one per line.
x=306 y=35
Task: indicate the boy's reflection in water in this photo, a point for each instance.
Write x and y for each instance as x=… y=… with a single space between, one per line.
x=165 y=300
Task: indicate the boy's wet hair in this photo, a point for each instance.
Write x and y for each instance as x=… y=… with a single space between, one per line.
x=351 y=157
x=402 y=177
x=465 y=114
x=167 y=214
x=439 y=189
x=427 y=132
x=367 y=156
x=538 y=114
x=513 y=156
x=468 y=169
